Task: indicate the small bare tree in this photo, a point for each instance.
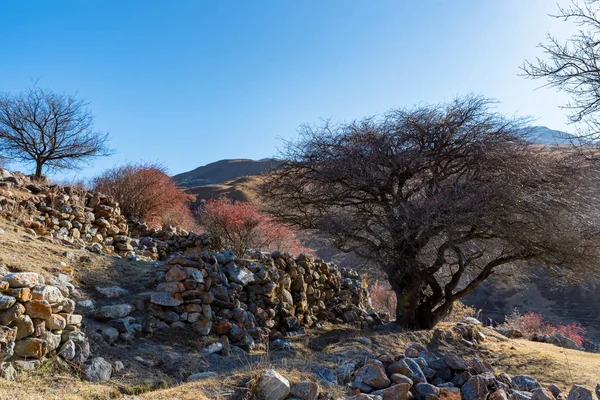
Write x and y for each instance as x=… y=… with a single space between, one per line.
x=574 y=66
x=49 y=129
x=440 y=198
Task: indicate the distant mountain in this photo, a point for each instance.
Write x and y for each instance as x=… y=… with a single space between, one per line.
x=545 y=135
x=223 y=171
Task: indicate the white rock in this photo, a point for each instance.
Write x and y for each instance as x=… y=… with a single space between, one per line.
x=273 y=386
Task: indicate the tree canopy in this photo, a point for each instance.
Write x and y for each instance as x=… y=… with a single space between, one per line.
x=49 y=129
x=439 y=197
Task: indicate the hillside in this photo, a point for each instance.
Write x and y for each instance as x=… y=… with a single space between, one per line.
x=224 y=170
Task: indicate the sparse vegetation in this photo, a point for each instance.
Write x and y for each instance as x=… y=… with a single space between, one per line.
x=532 y=323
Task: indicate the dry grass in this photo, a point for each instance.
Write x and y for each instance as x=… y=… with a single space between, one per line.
x=20 y=251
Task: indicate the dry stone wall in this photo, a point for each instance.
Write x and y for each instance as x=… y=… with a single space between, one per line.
x=250 y=300
x=37 y=320
x=83 y=219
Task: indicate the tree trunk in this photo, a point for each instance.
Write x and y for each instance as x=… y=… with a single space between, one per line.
x=38 y=168
x=412 y=312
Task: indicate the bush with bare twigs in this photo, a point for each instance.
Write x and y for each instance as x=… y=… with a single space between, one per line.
x=145 y=191
x=241 y=226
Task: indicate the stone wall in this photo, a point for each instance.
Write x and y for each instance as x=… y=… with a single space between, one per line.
x=251 y=300
x=82 y=219
x=37 y=320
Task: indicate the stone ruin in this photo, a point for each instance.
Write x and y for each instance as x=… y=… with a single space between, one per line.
x=251 y=300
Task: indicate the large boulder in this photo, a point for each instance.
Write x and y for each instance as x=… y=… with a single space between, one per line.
x=24 y=279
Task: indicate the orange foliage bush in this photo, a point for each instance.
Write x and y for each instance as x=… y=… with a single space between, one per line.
x=145 y=191
x=242 y=226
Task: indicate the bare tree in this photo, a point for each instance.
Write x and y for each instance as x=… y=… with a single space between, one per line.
x=440 y=198
x=49 y=129
x=574 y=66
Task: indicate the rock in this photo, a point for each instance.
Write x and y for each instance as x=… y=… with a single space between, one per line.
x=6 y=302
x=85 y=305
x=51 y=294
x=499 y=394
x=24 y=326
x=475 y=389
x=470 y=321
x=306 y=390
x=455 y=362
x=97 y=370
x=40 y=309
x=212 y=348
x=67 y=350
x=24 y=279
x=450 y=393
x=55 y=322
x=273 y=386
x=579 y=393
x=408 y=367
x=7 y=371
x=555 y=390
x=280 y=345
x=395 y=392
x=200 y=376
x=116 y=311
x=525 y=383
x=520 y=395
x=31 y=348
x=111 y=292
x=542 y=394
x=372 y=375
x=110 y=334
x=597 y=391
x=399 y=378
x=426 y=389
x=166 y=299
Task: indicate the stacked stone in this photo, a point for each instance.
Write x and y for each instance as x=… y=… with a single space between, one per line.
x=37 y=320
x=158 y=243
x=255 y=299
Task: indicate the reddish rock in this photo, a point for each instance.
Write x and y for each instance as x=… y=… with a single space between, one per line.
x=38 y=309
x=175 y=274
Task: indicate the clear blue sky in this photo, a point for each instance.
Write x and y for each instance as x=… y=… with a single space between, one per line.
x=191 y=82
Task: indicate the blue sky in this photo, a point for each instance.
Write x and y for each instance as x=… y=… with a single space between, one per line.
x=191 y=82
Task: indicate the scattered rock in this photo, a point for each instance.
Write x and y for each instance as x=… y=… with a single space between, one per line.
x=97 y=370
x=273 y=386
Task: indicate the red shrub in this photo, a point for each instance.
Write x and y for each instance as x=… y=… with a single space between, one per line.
x=241 y=226
x=532 y=322
x=146 y=191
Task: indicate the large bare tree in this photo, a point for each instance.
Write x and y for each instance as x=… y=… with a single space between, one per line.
x=440 y=198
x=573 y=66
x=48 y=129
